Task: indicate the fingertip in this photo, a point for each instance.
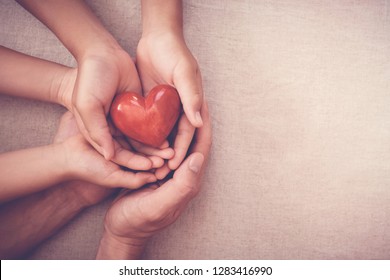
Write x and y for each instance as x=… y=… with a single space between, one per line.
x=194 y=118
x=144 y=178
x=162 y=172
x=164 y=145
x=173 y=163
x=108 y=155
x=169 y=153
x=198 y=120
x=156 y=161
x=149 y=164
x=106 y=149
x=151 y=178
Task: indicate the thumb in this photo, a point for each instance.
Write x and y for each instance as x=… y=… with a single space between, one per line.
x=93 y=125
x=129 y=180
x=189 y=85
x=182 y=187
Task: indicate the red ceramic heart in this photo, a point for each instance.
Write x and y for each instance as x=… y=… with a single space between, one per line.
x=148 y=120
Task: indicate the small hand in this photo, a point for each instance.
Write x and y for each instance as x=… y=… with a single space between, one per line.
x=86 y=193
x=100 y=75
x=85 y=163
x=136 y=216
x=164 y=58
x=96 y=89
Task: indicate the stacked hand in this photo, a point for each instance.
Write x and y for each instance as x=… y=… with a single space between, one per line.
x=162 y=58
x=93 y=150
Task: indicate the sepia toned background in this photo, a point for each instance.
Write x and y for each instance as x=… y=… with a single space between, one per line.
x=299 y=93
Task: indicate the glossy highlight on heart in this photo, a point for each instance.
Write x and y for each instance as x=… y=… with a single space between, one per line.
x=147 y=120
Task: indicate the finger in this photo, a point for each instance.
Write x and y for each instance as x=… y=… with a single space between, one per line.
x=188 y=83
x=175 y=193
x=165 y=153
x=157 y=162
x=185 y=133
x=130 y=159
x=203 y=135
x=133 y=83
x=164 y=145
x=162 y=172
x=173 y=196
x=93 y=125
x=130 y=180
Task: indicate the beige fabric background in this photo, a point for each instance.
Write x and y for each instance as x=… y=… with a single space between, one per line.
x=299 y=93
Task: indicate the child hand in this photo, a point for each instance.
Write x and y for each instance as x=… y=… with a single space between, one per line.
x=83 y=162
x=163 y=58
x=122 y=150
x=100 y=76
x=86 y=193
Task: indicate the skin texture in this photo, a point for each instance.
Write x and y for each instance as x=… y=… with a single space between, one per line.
x=137 y=215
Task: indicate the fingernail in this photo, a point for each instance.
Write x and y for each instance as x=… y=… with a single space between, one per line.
x=198 y=118
x=196 y=162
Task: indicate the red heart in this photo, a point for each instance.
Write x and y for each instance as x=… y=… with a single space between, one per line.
x=148 y=120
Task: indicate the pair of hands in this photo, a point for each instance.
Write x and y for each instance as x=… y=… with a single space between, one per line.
x=136 y=215
x=87 y=91
x=161 y=59
x=105 y=69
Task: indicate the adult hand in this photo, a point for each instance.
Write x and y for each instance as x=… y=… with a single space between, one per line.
x=136 y=216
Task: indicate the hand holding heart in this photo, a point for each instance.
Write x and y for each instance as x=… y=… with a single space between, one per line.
x=137 y=215
x=73 y=83
x=164 y=58
x=104 y=71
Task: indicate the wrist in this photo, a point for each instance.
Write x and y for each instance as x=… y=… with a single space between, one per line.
x=162 y=17
x=101 y=49
x=62 y=86
x=120 y=248
x=63 y=195
x=58 y=166
x=64 y=160
x=158 y=30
